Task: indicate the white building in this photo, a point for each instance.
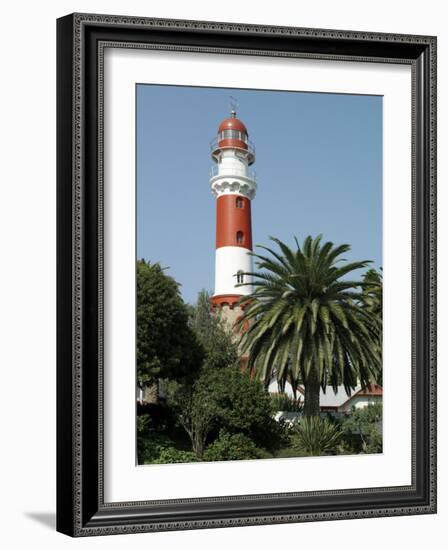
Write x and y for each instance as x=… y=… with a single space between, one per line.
x=340 y=401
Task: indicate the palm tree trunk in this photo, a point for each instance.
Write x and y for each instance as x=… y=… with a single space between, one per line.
x=312 y=394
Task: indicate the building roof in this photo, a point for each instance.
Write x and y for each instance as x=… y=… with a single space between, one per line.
x=374 y=389
x=337 y=399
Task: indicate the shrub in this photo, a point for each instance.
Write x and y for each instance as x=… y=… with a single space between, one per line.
x=290 y=452
x=362 y=429
x=282 y=402
x=233 y=447
x=317 y=436
x=150 y=448
x=153 y=447
x=170 y=455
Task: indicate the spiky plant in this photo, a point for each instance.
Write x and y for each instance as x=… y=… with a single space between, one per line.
x=317 y=436
x=305 y=320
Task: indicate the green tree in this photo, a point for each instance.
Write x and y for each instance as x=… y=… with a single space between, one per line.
x=195 y=400
x=366 y=424
x=306 y=319
x=224 y=399
x=372 y=292
x=167 y=347
x=214 y=335
x=372 y=301
x=243 y=406
x=195 y=411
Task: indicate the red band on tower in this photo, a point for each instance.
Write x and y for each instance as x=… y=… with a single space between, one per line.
x=233 y=221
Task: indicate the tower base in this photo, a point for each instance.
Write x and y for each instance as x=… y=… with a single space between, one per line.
x=228 y=307
x=221 y=300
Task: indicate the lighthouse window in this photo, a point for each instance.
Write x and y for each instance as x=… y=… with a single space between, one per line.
x=234 y=134
x=239 y=237
x=239 y=202
x=231 y=134
x=240 y=277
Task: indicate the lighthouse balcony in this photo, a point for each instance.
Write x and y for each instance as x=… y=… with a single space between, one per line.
x=225 y=171
x=246 y=146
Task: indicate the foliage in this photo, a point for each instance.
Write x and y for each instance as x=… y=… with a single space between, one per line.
x=362 y=429
x=317 y=436
x=195 y=401
x=243 y=406
x=166 y=345
x=224 y=399
x=291 y=451
x=161 y=417
x=150 y=443
x=306 y=320
x=195 y=412
x=213 y=334
x=233 y=447
x=372 y=292
x=282 y=402
x=155 y=447
x=372 y=301
x=170 y=455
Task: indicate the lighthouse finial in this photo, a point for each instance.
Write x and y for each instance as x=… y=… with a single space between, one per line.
x=233 y=106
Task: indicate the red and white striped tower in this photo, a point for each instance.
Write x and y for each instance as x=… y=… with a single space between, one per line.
x=234 y=188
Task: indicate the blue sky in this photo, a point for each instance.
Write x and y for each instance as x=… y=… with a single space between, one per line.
x=318 y=165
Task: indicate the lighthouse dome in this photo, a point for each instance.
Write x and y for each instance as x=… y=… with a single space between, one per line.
x=232 y=133
x=232 y=123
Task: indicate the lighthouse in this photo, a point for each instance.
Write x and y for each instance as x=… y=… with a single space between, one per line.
x=233 y=186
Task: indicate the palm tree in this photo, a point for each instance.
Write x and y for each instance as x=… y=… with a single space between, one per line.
x=306 y=322
x=372 y=292
x=372 y=301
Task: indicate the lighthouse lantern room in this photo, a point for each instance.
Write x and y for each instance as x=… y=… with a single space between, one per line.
x=234 y=187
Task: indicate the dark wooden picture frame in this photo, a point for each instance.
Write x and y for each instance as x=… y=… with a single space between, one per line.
x=81 y=510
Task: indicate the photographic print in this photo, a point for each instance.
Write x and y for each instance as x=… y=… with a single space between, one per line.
x=258 y=274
